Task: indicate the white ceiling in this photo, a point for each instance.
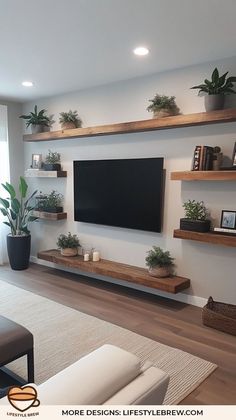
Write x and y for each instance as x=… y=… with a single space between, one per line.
x=67 y=45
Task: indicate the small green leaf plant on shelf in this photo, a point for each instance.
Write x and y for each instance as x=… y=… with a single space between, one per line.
x=70 y=120
x=38 y=120
x=52 y=161
x=68 y=244
x=196 y=217
x=159 y=262
x=163 y=106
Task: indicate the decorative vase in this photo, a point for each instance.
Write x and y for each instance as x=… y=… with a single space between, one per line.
x=37 y=128
x=68 y=126
x=195 y=225
x=69 y=252
x=162 y=113
x=18 y=248
x=52 y=166
x=158 y=271
x=217 y=161
x=214 y=102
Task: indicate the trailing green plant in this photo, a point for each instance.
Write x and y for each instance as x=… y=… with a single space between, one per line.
x=68 y=241
x=217 y=85
x=53 y=200
x=37 y=118
x=195 y=210
x=53 y=157
x=70 y=116
x=17 y=211
x=163 y=102
x=157 y=257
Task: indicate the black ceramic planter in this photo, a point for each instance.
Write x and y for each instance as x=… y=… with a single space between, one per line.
x=195 y=225
x=18 y=248
x=53 y=209
x=52 y=166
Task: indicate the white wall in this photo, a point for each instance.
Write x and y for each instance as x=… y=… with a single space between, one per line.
x=211 y=268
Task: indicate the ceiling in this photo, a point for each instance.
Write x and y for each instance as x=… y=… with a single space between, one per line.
x=67 y=45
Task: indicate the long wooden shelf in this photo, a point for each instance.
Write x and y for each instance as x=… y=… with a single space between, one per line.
x=202 y=118
x=49 y=216
x=116 y=270
x=209 y=237
x=45 y=174
x=203 y=176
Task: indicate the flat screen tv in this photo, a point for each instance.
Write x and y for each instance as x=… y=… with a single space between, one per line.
x=119 y=192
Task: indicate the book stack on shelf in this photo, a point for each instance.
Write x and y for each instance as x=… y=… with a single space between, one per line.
x=203 y=158
x=224 y=231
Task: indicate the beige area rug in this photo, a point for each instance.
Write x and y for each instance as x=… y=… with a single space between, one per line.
x=63 y=335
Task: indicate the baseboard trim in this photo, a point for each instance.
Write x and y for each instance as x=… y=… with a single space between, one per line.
x=180 y=297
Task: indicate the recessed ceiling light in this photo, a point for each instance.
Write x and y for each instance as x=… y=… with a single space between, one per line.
x=27 y=84
x=141 y=51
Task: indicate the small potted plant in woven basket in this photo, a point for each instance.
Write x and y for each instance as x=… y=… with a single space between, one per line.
x=68 y=244
x=159 y=262
x=221 y=316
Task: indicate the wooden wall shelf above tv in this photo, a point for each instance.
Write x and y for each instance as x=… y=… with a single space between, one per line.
x=188 y=120
x=129 y=273
x=209 y=237
x=203 y=176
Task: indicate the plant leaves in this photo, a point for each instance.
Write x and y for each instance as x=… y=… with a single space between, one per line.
x=10 y=189
x=23 y=187
x=215 y=76
x=4 y=203
x=15 y=204
x=3 y=211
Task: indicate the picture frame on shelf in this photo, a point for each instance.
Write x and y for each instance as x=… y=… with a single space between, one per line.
x=228 y=219
x=234 y=156
x=36 y=161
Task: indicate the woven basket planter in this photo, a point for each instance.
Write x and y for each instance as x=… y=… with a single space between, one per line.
x=221 y=316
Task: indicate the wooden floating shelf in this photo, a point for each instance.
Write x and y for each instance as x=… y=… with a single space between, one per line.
x=116 y=270
x=202 y=118
x=45 y=174
x=203 y=176
x=49 y=216
x=208 y=237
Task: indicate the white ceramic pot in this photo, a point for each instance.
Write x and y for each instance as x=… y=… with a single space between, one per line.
x=159 y=271
x=69 y=252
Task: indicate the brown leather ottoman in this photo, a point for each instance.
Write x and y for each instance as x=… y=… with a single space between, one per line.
x=16 y=341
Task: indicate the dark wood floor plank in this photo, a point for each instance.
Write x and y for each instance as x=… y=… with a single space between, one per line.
x=169 y=322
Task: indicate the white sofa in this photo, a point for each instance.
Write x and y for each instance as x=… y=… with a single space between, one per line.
x=108 y=375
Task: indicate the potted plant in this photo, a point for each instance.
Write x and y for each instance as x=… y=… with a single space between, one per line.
x=52 y=161
x=52 y=203
x=19 y=215
x=38 y=121
x=159 y=262
x=216 y=89
x=163 y=106
x=68 y=244
x=217 y=158
x=69 y=120
x=195 y=217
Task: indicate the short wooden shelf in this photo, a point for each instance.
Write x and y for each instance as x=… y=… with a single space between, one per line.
x=203 y=176
x=49 y=216
x=202 y=118
x=116 y=270
x=45 y=174
x=209 y=237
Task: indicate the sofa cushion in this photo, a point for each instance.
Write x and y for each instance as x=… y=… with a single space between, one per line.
x=91 y=380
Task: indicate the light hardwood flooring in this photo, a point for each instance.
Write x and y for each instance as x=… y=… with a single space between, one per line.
x=164 y=320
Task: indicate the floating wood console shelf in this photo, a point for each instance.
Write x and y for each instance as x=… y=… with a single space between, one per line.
x=116 y=270
x=209 y=237
x=203 y=176
x=202 y=118
x=49 y=216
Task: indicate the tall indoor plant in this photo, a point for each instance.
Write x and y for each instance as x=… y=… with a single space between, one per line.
x=19 y=214
x=216 y=89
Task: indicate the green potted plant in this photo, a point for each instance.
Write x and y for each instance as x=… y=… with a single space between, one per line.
x=68 y=244
x=159 y=262
x=19 y=214
x=38 y=121
x=69 y=120
x=216 y=89
x=195 y=217
x=163 y=106
x=52 y=203
x=52 y=161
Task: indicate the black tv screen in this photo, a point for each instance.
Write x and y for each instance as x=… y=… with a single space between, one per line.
x=119 y=192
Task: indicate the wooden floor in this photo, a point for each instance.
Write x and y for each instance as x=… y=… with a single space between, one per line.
x=169 y=322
